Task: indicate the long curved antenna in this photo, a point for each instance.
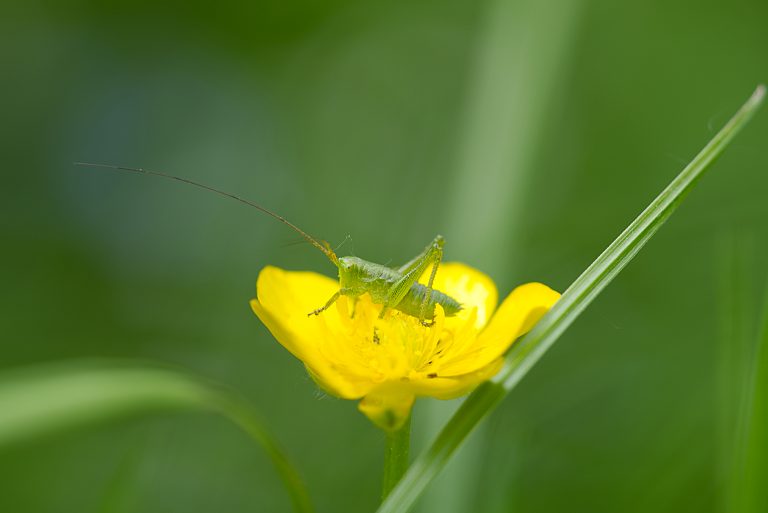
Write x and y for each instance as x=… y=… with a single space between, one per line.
x=322 y=246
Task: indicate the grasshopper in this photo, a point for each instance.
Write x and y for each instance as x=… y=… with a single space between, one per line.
x=393 y=288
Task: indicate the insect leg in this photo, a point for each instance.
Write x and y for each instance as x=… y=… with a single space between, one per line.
x=410 y=265
x=438 y=257
x=433 y=254
x=328 y=303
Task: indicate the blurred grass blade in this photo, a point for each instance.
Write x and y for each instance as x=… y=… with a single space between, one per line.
x=508 y=101
x=525 y=353
x=49 y=398
x=743 y=386
x=737 y=320
x=755 y=451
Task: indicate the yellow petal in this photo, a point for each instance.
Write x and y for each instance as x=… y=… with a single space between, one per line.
x=450 y=387
x=284 y=300
x=293 y=294
x=289 y=296
x=516 y=315
x=469 y=287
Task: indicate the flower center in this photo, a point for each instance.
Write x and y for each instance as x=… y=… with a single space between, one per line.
x=395 y=347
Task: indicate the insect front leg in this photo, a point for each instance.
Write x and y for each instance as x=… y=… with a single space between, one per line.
x=328 y=303
x=432 y=255
x=326 y=306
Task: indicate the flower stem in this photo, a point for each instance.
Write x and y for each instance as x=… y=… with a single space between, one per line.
x=396 y=457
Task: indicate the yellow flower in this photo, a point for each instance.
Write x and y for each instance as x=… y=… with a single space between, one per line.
x=388 y=362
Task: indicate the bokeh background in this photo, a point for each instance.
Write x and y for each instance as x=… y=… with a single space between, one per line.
x=527 y=133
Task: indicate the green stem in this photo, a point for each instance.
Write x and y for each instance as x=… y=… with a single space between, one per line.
x=396 y=457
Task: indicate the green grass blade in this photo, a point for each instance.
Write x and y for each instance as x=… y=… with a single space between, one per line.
x=50 y=398
x=755 y=451
x=734 y=365
x=743 y=386
x=531 y=348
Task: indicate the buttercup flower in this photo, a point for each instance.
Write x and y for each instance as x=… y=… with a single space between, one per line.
x=353 y=354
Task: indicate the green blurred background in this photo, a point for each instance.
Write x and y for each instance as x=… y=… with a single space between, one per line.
x=528 y=133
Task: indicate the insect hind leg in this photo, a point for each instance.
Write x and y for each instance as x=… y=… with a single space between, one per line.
x=432 y=255
x=438 y=257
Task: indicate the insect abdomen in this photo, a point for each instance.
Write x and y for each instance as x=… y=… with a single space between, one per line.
x=411 y=303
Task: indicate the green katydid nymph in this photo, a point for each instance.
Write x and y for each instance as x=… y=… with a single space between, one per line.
x=393 y=288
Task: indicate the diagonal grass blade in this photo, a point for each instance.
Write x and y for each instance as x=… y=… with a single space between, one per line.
x=50 y=398
x=525 y=353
